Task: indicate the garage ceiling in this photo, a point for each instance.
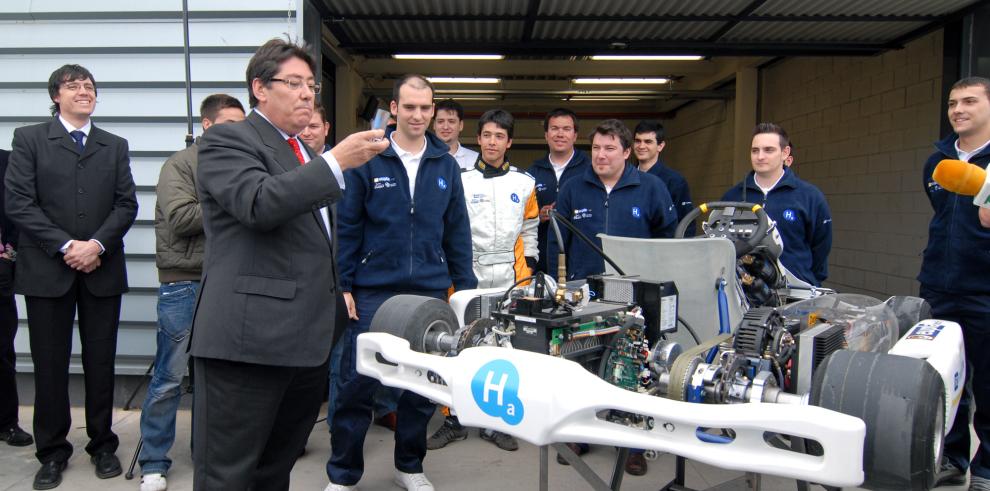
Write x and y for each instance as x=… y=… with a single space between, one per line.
x=549 y=42
x=585 y=27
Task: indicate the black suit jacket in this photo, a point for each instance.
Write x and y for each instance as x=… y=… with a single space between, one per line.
x=268 y=294
x=8 y=231
x=55 y=194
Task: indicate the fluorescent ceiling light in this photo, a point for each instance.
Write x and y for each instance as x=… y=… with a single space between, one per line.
x=463 y=80
x=647 y=57
x=615 y=81
x=446 y=57
x=475 y=98
x=599 y=99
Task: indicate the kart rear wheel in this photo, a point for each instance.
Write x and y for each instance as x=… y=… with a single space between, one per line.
x=902 y=402
x=419 y=320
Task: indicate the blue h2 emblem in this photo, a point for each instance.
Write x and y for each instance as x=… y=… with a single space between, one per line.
x=495 y=388
x=635 y=212
x=514 y=197
x=441 y=183
x=790 y=215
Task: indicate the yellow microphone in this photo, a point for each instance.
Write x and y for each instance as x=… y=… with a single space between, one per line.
x=960 y=177
x=964 y=178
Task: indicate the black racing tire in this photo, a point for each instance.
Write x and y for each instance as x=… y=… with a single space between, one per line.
x=902 y=402
x=416 y=319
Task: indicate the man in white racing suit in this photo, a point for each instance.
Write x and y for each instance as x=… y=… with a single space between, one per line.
x=504 y=215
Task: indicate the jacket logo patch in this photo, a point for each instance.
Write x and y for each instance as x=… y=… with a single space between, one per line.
x=790 y=215
x=581 y=213
x=933 y=186
x=540 y=187
x=514 y=198
x=480 y=198
x=635 y=212
x=384 y=182
x=441 y=183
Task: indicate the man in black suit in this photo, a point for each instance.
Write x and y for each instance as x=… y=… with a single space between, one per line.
x=10 y=431
x=265 y=321
x=71 y=194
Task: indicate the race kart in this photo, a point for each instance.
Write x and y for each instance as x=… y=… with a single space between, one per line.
x=837 y=389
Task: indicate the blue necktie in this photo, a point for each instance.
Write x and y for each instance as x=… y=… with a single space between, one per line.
x=78 y=137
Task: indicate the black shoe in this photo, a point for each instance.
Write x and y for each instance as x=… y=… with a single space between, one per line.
x=445 y=435
x=504 y=441
x=576 y=448
x=636 y=464
x=107 y=465
x=949 y=475
x=16 y=437
x=50 y=475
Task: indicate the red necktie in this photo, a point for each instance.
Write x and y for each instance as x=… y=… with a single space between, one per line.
x=295 y=148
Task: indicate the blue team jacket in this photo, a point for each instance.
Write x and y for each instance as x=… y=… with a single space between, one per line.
x=957 y=257
x=679 y=192
x=803 y=220
x=547 y=188
x=387 y=240
x=638 y=206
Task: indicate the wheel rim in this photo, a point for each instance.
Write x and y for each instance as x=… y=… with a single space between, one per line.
x=939 y=437
x=436 y=326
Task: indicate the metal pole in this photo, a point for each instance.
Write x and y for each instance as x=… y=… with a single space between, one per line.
x=185 y=51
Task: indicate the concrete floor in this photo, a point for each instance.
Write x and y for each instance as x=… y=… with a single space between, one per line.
x=471 y=464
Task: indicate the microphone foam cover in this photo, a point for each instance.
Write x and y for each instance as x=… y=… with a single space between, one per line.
x=960 y=177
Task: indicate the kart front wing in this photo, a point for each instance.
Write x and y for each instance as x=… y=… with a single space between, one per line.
x=543 y=400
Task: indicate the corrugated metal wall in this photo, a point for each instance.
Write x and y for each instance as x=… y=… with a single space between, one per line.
x=134 y=50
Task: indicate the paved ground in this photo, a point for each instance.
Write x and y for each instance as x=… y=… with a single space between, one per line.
x=471 y=464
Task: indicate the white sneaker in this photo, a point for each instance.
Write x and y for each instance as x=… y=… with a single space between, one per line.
x=153 y=482
x=339 y=487
x=413 y=482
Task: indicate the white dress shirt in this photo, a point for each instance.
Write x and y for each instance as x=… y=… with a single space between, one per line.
x=465 y=157
x=410 y=161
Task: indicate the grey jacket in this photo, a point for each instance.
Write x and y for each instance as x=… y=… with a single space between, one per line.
x=179 y=239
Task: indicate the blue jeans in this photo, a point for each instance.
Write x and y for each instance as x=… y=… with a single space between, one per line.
x=386 y=398
x=176 y=302
x=353 y=404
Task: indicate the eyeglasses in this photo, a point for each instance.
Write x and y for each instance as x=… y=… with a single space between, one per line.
x=76 y=87
x=296 y=84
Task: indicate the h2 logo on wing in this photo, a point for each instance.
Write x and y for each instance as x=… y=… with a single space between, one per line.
x=495 y=388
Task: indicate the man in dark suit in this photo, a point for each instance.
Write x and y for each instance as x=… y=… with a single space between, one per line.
x=71 y=194
x=265 y=321
x=10 y=431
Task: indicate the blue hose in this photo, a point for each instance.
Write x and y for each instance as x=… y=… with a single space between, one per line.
x=723 y=317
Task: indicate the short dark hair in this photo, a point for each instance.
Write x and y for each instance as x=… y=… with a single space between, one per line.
x=318 y=107
x=650 y=126
x=450 y=105
x=615 y=128
x=761 y=128
x=560 y=111
x=413 y=80
x=265 y=63
x=214 y=103
x=67 y=73
x=973 y=82
x=502 y=119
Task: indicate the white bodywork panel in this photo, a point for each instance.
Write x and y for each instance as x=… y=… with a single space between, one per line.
x=940 y=343
x=543 y=399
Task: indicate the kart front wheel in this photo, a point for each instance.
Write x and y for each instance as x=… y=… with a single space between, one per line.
x=902 y=402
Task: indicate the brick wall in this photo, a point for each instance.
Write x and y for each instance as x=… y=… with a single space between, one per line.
x=699 y=146
x=863 y=128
